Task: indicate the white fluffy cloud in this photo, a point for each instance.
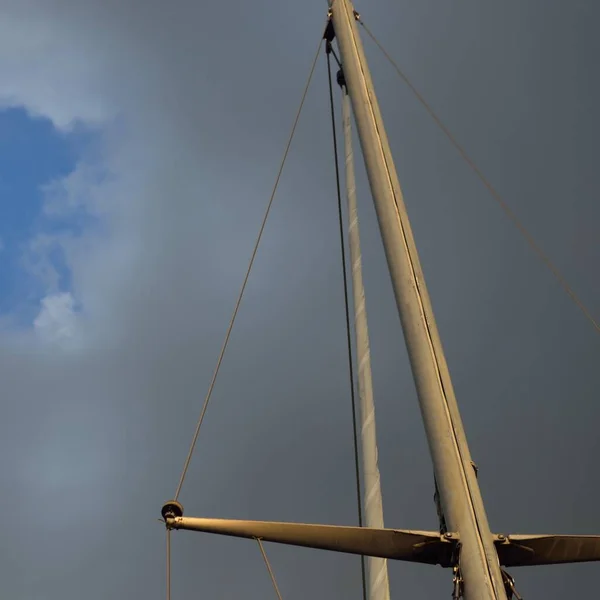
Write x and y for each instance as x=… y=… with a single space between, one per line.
x=57 y=319
x=169 y=166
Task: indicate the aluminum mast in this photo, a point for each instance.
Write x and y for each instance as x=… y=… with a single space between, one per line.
x=459 y=490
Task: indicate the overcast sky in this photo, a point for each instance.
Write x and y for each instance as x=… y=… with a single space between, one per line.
x=139 y=141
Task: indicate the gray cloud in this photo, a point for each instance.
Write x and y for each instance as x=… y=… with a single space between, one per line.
x=193 y=105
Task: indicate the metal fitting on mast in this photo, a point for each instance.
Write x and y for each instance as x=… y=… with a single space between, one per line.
x=170 y=511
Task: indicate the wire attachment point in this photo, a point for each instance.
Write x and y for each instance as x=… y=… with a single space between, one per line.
x=171 y=510
x=329 y=34
x=458 y=584
x=509 y=586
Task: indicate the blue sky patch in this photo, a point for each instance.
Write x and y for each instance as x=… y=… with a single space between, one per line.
x=32 y=154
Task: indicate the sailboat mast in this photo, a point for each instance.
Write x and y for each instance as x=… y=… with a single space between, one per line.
x=455 y=474
x=379 y=587
x=464 y=541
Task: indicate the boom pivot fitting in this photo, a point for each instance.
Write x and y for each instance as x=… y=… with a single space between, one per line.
x=170 y=511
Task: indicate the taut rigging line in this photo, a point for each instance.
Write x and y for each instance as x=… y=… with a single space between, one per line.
x=246 y=277
x=328 y=51
x=231 y=324
x=491 y=189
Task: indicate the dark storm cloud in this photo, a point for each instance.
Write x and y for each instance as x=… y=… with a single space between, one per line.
x=195 y=103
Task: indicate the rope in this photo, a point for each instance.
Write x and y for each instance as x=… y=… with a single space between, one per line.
x=246 y=277
x=347 y=307
x=495 y=195
x=168 y=564
x=271 y=574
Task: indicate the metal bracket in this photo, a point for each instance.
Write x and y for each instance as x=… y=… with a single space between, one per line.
x=509 y=586
x=457 y=583
x=170 y=511
x=329 y=34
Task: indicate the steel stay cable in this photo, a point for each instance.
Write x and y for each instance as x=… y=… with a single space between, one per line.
x=495 y=195
x=268 y=564
x=168 y=564
x=347 y=310
x=246 y=277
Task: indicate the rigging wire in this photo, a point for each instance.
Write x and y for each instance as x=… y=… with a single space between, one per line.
x=268 y=564
x=495 y=195
x=246 y=277
x=347 y=307
x=168 y=564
